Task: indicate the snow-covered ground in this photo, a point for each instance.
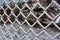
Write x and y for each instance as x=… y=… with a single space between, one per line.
x=24 y=32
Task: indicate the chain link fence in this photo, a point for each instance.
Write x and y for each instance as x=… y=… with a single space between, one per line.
x=29 y=20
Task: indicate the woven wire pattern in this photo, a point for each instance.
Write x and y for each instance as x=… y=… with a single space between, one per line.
x=29 y=20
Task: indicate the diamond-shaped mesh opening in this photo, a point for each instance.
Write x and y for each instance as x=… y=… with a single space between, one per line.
x=16 y=11
x=1 y=11
x=30 y=36
x=15 y=37
x=12 y=18
x=16 y=25
x=20 y=4
x=45 y=3
x=31 y=3
x=52 y=30
x=11 y=5
x=38 y=10
x=21 y=18
x=44 y=20
x=37 y=28
x=53 y=10
x=31 y=19
x=4 y=17
x=25 y=26
x=12 y=30
x=20 y=32
x=8 y=11
x=4 y=29
x=25 y=11
x=8 y=25
x=4 y=5
x=8 y=36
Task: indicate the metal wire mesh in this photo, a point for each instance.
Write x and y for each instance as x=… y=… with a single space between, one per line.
x=29 y=20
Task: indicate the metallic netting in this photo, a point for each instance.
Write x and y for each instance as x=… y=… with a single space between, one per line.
x=29 y=20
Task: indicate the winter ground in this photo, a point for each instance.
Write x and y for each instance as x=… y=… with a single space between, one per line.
x=17 y=32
